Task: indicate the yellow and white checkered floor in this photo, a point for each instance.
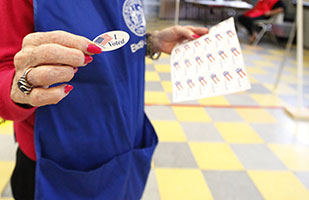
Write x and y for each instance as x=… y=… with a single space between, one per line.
x=241 y=146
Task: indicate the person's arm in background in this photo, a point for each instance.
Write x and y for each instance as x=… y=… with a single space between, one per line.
x=16 y=22
x=279 y=7
x=274 y=12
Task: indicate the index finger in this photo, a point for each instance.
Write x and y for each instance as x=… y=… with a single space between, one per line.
x=199 y=30
x=62 y=38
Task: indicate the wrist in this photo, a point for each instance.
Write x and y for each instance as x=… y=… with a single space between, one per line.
x=155 y=41
x=153 y=50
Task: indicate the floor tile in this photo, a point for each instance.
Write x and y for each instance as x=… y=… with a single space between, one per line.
x=165 y=76
x=291 y=100
x=201 y=132
x=160 y=113
x=267 y=100
x=278 y=52
x=223 y=115
x=301 y=132
x=238 y=133
x=7 y=192
x=165 y=156
x=281 y=89
x=219 y=100
x=255 y=70
x=263 y=78
x=241 y=99
x=6 y=169
x=254 y=115
x=162 y=67
x=215 y=156
x=258 y=89
x=178 y=184
x=303 y=177
x=151 y=190
x=148 y=61
x=167 y=85
x=156 y=98
x=191 y=114
x=7 y=147
x=252 y=80
x=257 y=157
x=249 y=58
x=6 y=128
x=248 y=53
x=295 y=157
x=281 y=116
x=289 y=78
x=263 y=63
x=273 y=57
x=154 y=86
x=169 y=131
x=223 y=185
x=275 y=133
x=164 y=59
x=152 y=76
x=275 y=70
x=279 y=185
x=290 y=70
x=150 y=67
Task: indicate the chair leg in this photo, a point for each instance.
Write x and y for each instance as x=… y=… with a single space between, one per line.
x=286 y=53
x=273 y=37
x=259 y=36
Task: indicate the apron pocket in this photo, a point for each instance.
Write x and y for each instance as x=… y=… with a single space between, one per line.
x=122 y=178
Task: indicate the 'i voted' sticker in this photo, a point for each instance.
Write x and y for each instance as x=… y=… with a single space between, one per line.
x=112 y=40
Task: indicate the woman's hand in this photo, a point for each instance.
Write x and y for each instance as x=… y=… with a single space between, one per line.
x=166 y=39
x=54 y=58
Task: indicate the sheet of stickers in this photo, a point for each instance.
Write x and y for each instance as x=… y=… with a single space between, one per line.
x=209 y=66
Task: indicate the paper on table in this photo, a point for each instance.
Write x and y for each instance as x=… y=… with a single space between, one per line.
x=210 y=66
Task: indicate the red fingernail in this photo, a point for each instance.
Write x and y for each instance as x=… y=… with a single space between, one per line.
x=88 y=59
x=68 y=89
x=196 y=36
x=94 y=49
x=75 y=69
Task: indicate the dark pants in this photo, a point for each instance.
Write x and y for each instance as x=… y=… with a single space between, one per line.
x=247 y=22
x=22 y=180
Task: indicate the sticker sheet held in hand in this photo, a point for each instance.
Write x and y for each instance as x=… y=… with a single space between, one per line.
x=210 y=66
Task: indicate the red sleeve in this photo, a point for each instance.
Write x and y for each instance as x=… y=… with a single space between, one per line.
x=16 y=22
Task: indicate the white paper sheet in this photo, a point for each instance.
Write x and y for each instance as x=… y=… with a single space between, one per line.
x=210 y=66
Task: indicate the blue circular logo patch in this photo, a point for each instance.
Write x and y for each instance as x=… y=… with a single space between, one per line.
x=133 y=15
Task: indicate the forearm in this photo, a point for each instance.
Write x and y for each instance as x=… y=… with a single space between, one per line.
x=275 y=11
x=16 y=22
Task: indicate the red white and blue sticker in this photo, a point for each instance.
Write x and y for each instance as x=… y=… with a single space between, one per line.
x=112 y=40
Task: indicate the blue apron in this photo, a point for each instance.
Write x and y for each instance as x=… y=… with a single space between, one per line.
x=97 y=143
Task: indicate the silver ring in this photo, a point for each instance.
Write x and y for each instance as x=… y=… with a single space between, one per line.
x=23 y=84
